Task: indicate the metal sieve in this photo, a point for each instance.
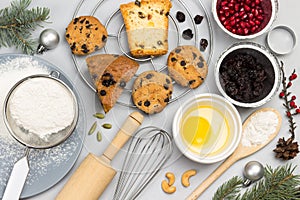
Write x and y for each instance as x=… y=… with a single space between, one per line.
x=30 y=140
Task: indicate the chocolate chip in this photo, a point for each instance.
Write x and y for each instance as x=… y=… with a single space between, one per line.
x=67 y=35
x=73 y=47
x=122 y=84
x=138 y=3
x=141 y=15
x=166 y=100
x=200 y=64
x=159 y=42
x=107 y=74
x=80 y=29
x=168 y=81
x=167 y=13
x=142 y=46
x=76 y=20
x=87 y=22
x=183 y=63
x=203 y=44
x=191 y=82
x=166 y=86
x=201 y=58
x=105 y=83
x=147 y=103
x=88 y=35
x=88 y=26
x=187 y=34
x=177 y=50
x=149 y=76
x=81 y=21
x=161 y=12
x=102 y=92
x=140 y=103
x=180 y=16
x=104 y=38
x=198 y=19
x=173 y=59
x=149 y=16
x=85 y=50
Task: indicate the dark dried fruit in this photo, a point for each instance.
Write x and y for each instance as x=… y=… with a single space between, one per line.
x=102 y=92
x=149 y=76
x=147 y=103
x=183 y=63
x=187 y=34
x=141 y=15
x=138 y=3
x=177 y=50
x=180 y=16
x=173 y=59
x=203 y=44
x=198 y=19
x=104 y=38
x=122 y=84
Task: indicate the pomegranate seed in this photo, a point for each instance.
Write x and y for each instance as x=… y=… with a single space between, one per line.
x=243 y=25
x=236 y=7
x=253 y=4
x=257 y=22
x=230 y=5
x=281 y=94
x=227 y=14
x=252 y=23
x=223 y=3
x=228 y=28
x=260 y=11
x=232 y=23
x=247 y=8
x=292 y=103
x=248 y=25
x=255 y=12
x=248 y=2
x=232 y=12
x=297 y=110
x=241 y=13
x=253 y=29
x=239 y=31
x=236 y=14
x=242 y=10
x=257 y=2
x=238 y=20
x=225 y=8
x=250 y=15
x=221 y=12
x=293 y=97
x=246 y=31
x=260 y=18
x=226 y=23
x=244 y=16
x=233 y=30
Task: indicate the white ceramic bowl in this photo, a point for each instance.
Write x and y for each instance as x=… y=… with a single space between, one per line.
x=258 y=51
x=233 y=120
x=274 y=4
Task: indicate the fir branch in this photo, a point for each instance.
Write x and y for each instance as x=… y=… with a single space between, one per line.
x=280 y=183
x=229 y=189
x=17 y=22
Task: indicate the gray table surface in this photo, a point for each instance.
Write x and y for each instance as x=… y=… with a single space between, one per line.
x=62 y=12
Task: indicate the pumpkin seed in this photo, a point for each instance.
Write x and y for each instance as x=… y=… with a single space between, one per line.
x=99 y=115
x=99 y=136
x=107 y=126
x=93 y=128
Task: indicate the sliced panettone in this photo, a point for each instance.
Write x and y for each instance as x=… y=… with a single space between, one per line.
x=147 y=26
x=110 y=74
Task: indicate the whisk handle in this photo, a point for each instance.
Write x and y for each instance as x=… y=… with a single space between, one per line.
x=128 y=128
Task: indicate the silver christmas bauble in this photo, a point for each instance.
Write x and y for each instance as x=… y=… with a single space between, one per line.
x=253 y=171
x=49 y=39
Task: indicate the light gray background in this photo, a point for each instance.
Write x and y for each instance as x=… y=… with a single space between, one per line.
x=61 y=14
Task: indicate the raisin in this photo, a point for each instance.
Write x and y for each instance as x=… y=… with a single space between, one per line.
x=141 y=15
x=198 y=19
x=161 y=12
x=173 y=59
x=73 y=46
x=88 y=26
x=166 y=86
x=180 y=16
x=147 y=103
x=87 y=22
x=187 y=34
x=149 y=76
x=140 y=103
x=88 y=35
x=104 y=38
x=96 y=28
x=183 y=63
x=102 y=92
x=149 y=16
x=105 y=83
x=203 y=44
x=67 y=35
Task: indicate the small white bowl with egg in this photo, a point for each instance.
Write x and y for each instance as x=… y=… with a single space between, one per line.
x=207 y=128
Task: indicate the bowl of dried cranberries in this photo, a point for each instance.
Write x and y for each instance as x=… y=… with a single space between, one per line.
x=245 y=19
x=247 y=74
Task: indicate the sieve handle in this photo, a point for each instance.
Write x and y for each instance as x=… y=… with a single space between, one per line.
x=17 y=179
x=128 y=128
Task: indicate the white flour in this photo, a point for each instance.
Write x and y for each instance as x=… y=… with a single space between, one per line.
x=42 y=106
x=260 y=127
x=41 y=162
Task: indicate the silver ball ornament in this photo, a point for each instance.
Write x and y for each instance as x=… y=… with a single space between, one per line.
x=49 y=39
x=253 y=171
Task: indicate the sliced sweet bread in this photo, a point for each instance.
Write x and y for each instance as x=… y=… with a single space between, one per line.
x=146 y=25
x=187 y=66
x=110 y=74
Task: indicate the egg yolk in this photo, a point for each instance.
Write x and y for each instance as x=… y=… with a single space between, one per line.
x=196 y=131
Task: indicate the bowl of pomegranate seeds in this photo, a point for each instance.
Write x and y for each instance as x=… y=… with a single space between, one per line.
x=245 y=19
x=247 y=74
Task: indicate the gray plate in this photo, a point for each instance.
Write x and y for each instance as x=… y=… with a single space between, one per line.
x=47 y=167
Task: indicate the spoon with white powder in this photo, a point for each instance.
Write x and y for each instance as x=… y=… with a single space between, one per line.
x=40 y=111
x=260 y=128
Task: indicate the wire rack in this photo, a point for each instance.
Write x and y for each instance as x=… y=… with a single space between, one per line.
x=117 y=40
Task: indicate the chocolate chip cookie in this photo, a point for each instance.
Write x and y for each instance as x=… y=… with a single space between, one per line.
x=85 y=34
x=187 y=66
x=152 y=91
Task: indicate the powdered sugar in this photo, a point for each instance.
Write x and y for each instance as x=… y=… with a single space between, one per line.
x=260 y=127
x=46 y=166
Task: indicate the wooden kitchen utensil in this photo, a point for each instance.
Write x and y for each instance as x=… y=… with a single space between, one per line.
x=239 y=153
x=95 y=173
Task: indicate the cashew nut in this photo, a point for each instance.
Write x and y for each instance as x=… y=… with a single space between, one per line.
x=171 y=178
x=167 y=188
x=185 y=178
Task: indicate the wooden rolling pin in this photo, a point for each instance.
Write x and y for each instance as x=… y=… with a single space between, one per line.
x=95 y=173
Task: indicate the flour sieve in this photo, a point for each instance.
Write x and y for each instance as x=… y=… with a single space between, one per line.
x=27 y=137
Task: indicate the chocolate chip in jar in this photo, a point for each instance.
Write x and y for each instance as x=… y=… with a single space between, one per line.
x=180 y=16
x=187 y=34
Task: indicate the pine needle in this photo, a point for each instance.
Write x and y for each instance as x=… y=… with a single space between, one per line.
x=279 y=183
x=17 y=22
